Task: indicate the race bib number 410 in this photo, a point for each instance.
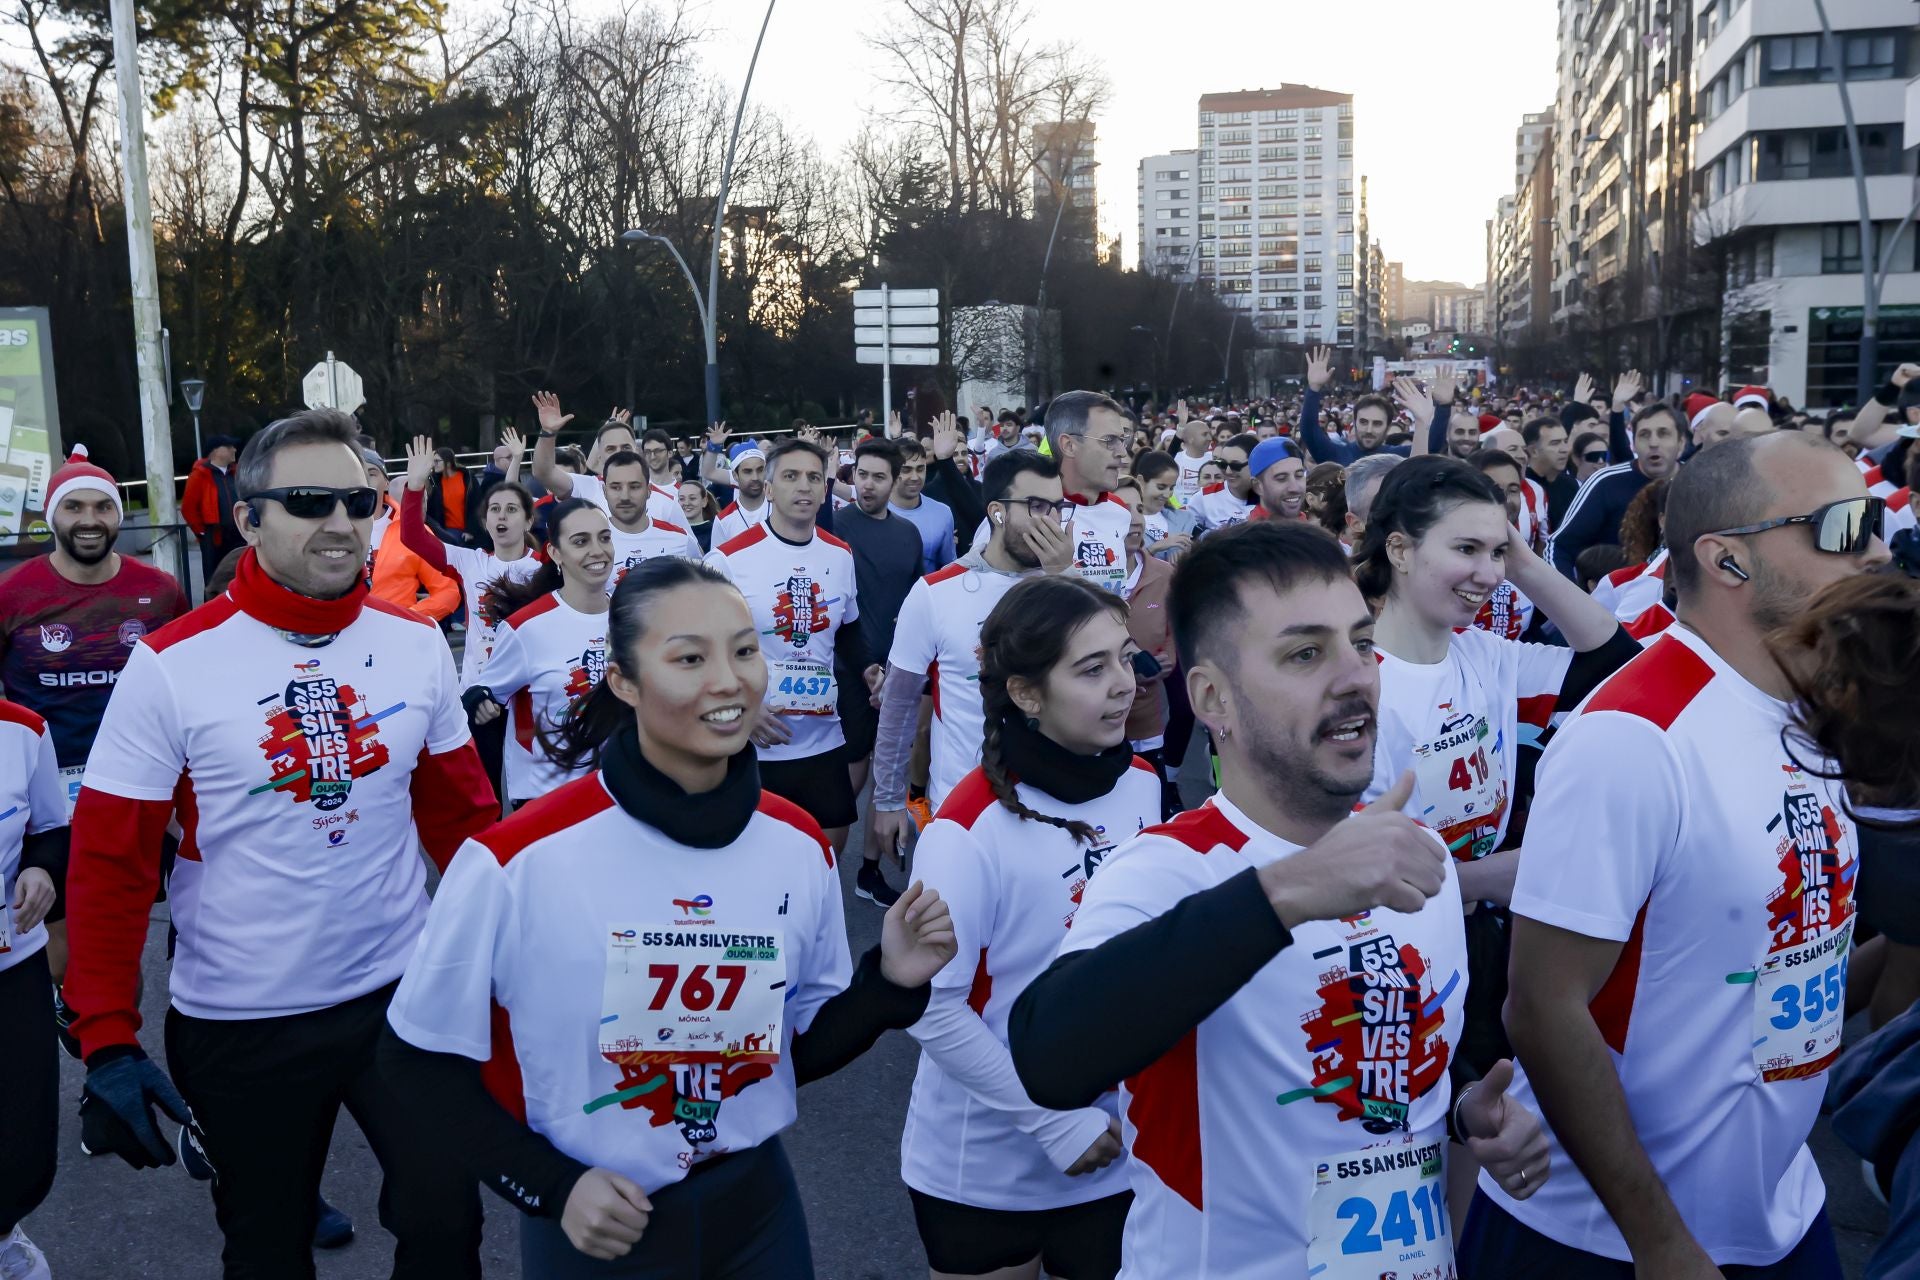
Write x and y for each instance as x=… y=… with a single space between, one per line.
x=1383 y=1211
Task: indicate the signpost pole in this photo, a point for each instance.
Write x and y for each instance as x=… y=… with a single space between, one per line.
x=886 y=360
x=156 y=428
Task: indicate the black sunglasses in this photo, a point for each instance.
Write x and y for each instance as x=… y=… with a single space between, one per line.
x=1231 y=466
x=1596 y=456
x=1845 y=528
x=316 y=502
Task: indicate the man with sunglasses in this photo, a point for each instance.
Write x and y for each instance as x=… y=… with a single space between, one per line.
x=938 y=637
x=311 y=742
x=1684 y=909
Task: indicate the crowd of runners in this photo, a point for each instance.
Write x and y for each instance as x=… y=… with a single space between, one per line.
x=1562 y=804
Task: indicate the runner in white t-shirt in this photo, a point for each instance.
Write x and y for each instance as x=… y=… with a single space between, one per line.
x=799 y=583
x=615 y=436
x=1683 y=916
x=1193 y=454
x=747 y=474
x=33 y=862
x=995 y=1180
x=1232 y=500
x=638 y=534
x=550 y=647
x=507 y=511
x=621 y=987
x=1276 y=986
x=937 y=638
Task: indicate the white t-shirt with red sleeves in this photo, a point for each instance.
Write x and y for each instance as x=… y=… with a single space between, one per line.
x=1217 y=508
x=938 y=636
x=633 y=999
x=299 y=882
x=801 y=595
x=1458 y=725
x=1300 y=1130
x=546 y=659
x=735 y=520
x=1670 y=819
x=32 y=799
x=659 y=538
x=1190 y=467
x=662 y=504
x=1900 y=515
x=478 y=569
x=1629 y=592
x=1013 y=886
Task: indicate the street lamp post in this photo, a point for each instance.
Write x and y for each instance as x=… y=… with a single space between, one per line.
x=708 y=305
x=1873 y=275
x=194 y=392
x=1066 y=191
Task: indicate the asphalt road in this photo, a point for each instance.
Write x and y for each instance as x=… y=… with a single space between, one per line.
x=105 y=1220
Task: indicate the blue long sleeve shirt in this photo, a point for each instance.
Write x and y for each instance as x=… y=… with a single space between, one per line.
x=1325 y=448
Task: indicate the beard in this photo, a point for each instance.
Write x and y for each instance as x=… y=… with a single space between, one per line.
x=1314 y=790
x=1777 y=601
x=64 y=537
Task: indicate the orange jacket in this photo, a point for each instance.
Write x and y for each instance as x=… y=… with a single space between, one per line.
x=453 y=501
x=399 y=576
x=200 y=506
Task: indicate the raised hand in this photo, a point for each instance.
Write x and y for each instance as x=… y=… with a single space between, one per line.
x=1444 y=386
x=946 y=436
x=893 y=424
x=1905 y=373
x=419 y=463
x=1181 y=412
x=916 y=938
x=1625 y=388
x=1412 y=398
x=717 y=434
x=1583 y=388
x=1319 y=368
x=513 y=440
x=622 y=416
x=547 y=406
x=1379 y=857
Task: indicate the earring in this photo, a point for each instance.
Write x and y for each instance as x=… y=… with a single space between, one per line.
x=1226 y=731
x=1033 y=724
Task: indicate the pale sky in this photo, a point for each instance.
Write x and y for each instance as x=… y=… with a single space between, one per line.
x=1438 y=91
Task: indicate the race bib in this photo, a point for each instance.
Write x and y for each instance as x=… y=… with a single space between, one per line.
x=799 y=686
x=1462 y=784
x=1799 y=1006
x=71 y=777
x=6 y=917
x=1382 y=1211
x=692 y=993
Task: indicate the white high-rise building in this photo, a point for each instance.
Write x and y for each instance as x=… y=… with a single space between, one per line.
x=1170 y=214
x=1276 y=195
x=1774 y=177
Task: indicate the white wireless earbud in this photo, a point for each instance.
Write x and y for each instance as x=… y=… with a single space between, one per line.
x=999 y=517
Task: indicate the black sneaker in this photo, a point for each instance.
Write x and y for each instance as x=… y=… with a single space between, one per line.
x=63 y=1016
x=332 y=1229
x=873 y=886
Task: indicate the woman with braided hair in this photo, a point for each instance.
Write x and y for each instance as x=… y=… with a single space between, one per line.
x=1001 y=1185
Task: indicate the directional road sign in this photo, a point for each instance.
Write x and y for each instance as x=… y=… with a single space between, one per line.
x=900 y=355
x=896 y=297
x=901 y=315
x=877 y=336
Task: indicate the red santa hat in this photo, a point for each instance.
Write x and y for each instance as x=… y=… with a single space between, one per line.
x=1758 y=397
x=78 y=475
x=1697 y=406
x=1488 y=422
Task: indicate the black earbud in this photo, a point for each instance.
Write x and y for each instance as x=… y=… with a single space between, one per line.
x=253 y=515
x=1732 y=566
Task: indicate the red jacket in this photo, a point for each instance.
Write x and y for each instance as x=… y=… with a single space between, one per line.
x=200 y=506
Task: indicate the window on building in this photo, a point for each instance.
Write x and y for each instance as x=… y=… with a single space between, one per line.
x=1822 y=153
x=1807 y=58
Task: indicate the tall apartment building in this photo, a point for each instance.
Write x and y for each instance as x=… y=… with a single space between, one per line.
x=1369 y=326
x=1520 y=283
x=1064 y=167
x=1393 y=298
x=1170 y=214
x=1774 y=177
x=1276 y=205
x=1529 y=140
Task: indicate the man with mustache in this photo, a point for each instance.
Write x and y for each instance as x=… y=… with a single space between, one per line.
x=68 y=620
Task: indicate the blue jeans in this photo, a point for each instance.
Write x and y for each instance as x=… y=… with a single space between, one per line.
x=1495 y=1245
